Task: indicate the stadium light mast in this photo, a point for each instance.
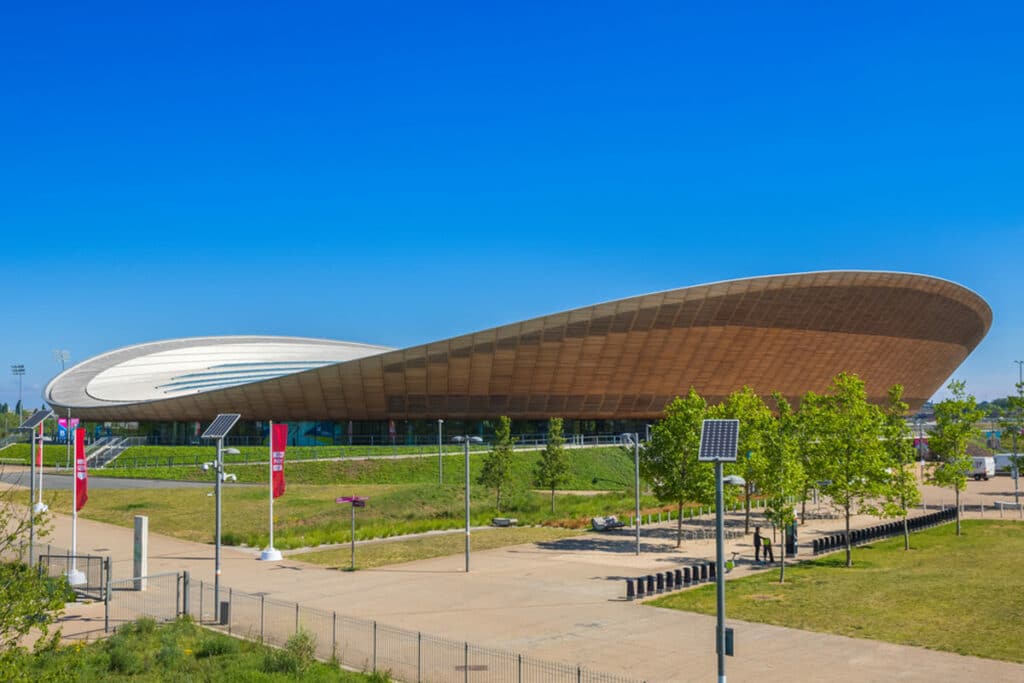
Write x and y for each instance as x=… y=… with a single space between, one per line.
x=18 y=370
x=634 y=441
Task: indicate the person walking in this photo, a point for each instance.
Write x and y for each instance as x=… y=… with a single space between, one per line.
x=757 y=543
x=769 y=554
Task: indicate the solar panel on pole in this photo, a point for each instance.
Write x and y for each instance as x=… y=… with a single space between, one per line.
x=719 y=440
x=33 y=421
x=221 y=425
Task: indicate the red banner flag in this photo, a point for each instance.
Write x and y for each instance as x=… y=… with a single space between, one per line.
x=81 y=475
x=39 y=455
x=278 y=442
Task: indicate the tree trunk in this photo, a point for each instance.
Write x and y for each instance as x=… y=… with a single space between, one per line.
x=782 y=567
x=497 y=503
x=957 y=510
x=906 y=532
x=679 y=524
x=552 y=500
x=849 y=550
x=803 y=508
x=746 y=495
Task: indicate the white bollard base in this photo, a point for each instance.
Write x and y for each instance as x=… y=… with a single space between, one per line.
x=39 y=508
x=270 y=555
x=76 y=577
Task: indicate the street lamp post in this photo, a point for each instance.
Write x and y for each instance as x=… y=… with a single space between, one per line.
x=634 y=440
x=217 y=430
x=465 y=441
x=440 y=453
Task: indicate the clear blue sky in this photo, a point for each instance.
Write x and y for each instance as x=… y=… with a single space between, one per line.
x=401 y=172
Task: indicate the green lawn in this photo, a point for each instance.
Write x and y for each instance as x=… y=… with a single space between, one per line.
x=394 y=552
x=308 y=516
x=17 y=454
x=180 y=651
x=963 y=595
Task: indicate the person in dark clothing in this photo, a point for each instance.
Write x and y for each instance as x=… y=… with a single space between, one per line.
x=757 y=543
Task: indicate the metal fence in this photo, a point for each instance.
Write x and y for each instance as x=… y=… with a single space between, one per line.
x=356 y=643
x=55 y=561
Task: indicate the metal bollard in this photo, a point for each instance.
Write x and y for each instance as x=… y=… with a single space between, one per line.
x=679 y=578
x=630 y=592
x=686 y=576
x=660 y=579
x=650 y=584
x=640 y=587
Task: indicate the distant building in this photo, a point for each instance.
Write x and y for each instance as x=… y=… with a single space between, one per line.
x=610 y=365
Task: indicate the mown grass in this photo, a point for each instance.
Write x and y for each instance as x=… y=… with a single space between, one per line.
x=961 y=594
x=18 y=454
x=180 y=651
x=308 y=516
x=609 y=465
x=394 y=552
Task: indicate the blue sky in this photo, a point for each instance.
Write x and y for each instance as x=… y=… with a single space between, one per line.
x=400 y=172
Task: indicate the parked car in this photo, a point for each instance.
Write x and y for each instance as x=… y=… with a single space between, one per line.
x=983 y=468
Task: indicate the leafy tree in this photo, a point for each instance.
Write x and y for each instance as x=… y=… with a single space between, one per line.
x=1013 y=422
x=846 y=432
x=781 y=478
x=669 y=460
x=899 y=488
x=955 y=420
x=27 y=599
x=553 y=466
x=496 y=472
x=755 y=421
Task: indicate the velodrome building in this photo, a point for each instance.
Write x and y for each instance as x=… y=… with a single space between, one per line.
x=606 y=366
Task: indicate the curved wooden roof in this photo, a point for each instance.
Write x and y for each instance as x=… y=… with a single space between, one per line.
x=628 y=358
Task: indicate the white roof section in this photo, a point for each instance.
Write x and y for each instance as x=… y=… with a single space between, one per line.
x=180 y=367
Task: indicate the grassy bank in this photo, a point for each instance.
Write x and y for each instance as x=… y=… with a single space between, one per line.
x=308 y=516
x=607 y=464
x=961 y=594
x=180 y=651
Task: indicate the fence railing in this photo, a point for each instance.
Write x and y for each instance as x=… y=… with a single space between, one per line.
x=92 y=571
x=357 y=643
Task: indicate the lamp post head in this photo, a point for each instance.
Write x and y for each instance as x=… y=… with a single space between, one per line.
x=230 y=451
x=734 y=480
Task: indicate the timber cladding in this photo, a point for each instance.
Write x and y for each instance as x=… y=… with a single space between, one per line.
x=628 y=358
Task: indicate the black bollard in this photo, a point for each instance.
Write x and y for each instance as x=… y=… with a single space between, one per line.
x=712 y=570
x=704 y=572
x=669 y=576
x=686 y=576
x=630 y=594
x=679 y=578
x=650 y=584
x=660 y=578
x=640 y=586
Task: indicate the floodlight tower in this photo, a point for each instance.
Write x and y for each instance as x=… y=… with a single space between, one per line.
x=18 y=370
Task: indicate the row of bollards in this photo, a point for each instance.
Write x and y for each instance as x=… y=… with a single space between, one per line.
x=887 y=530
x=674 y=579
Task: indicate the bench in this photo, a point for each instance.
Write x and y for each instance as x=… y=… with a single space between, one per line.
x=606 y=523
x=504 y=521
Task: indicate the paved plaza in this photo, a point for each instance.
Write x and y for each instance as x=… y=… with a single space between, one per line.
x=563 y=601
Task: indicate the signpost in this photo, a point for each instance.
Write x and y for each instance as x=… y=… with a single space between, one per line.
x=718 y=443
x=356 y=502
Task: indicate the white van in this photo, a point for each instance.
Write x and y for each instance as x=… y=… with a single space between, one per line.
x=983 y=468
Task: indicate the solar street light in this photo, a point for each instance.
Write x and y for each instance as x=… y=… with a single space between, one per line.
x=218 y=429
x=466 y=440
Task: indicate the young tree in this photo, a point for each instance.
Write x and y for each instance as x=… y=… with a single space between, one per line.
x=28 y=599
x=1013 y=422
x=955 y=420
x=496 y=472
x=781 y=478
x=899 y=488
x=755 y=421
x=552 y=468
x=848 y=454
x=669 y=460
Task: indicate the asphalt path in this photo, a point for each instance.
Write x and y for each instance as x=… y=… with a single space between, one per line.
x=20 y=477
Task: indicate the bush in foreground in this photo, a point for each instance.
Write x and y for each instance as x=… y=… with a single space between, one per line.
x=179 y=651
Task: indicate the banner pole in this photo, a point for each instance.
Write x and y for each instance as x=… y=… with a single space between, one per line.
x=270 y=482
x=271 y=554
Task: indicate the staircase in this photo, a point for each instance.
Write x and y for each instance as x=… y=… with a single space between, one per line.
x=118 y=445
